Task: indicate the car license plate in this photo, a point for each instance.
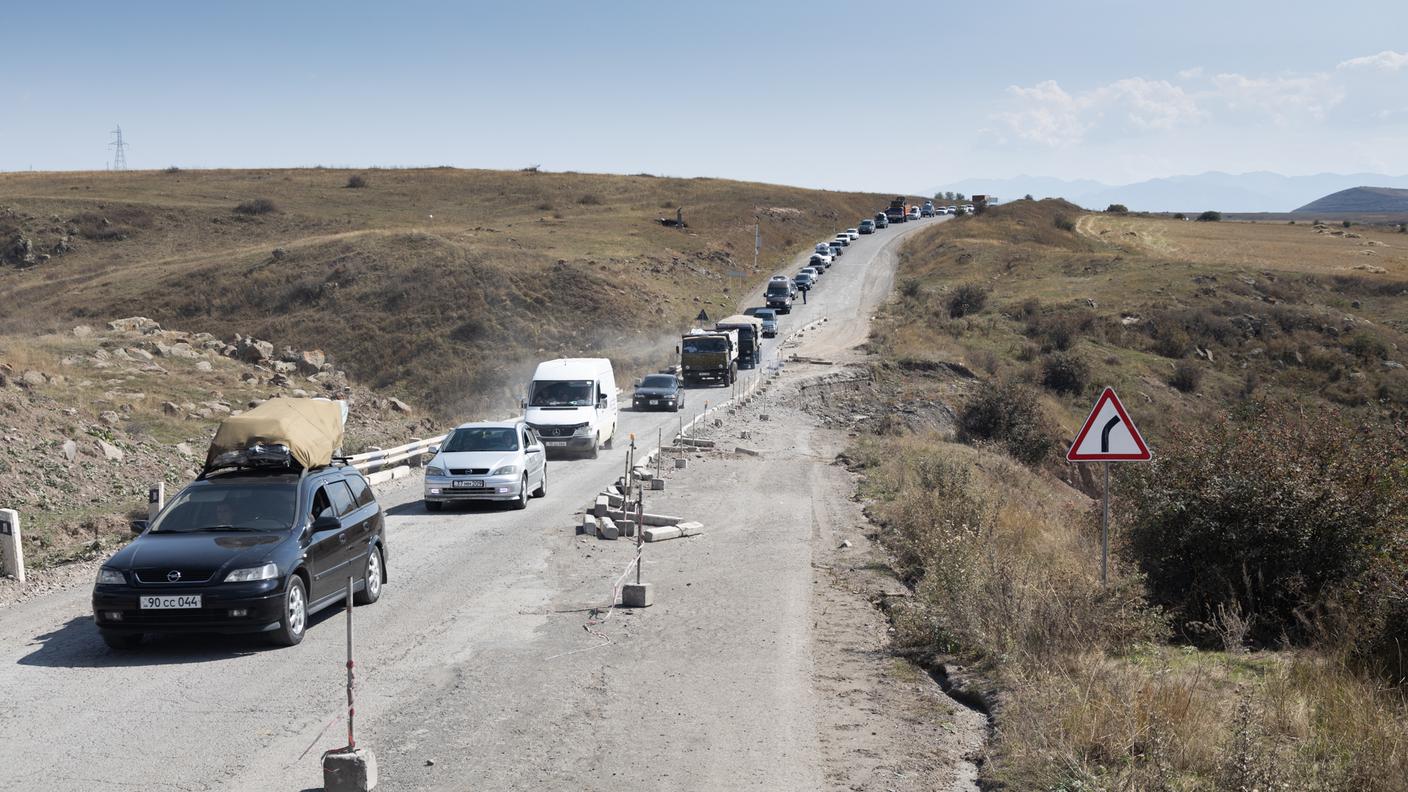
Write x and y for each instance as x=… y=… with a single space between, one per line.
x=164 y=602
x=654 y=401
x=469 y=484
x=556 y=443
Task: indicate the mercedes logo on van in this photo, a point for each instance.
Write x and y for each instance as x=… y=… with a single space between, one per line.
x=173 y=576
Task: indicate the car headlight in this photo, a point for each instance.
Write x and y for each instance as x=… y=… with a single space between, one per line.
x=110 y=576
x=584 y=429
x=267 y=572
x=434 y=471
x=506 y=470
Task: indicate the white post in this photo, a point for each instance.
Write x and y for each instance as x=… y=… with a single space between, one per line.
x=11 y=551
x=156 y=499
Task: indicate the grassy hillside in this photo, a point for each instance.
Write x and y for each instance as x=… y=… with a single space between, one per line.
x=1250 y=637
x=445 y=285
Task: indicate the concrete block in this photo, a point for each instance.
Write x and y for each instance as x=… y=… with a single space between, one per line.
x=638 y=595
x=352 y=771
x=602 y=506
x=657 y=484
x=626 y=527
x=607 y=529
x=661 y=533
x=400 y=471
x=745 y=451
x=588 y=525
x=681 y=463
x=647 y=518
x=614 y=499
x=690 y=528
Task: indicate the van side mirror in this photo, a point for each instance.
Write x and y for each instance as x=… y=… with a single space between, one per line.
x=139 y=526
x=677 y=349
x=522 y=404
x=601 y=402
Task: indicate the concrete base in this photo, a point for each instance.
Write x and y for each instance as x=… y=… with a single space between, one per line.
x=681 y=463
x=354 y=771
x=637 y=595
x=657 y=484
x=626 y=527
x=607 y=529
x=588 y=525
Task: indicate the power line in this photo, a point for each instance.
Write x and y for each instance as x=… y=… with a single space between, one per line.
x=119 y=157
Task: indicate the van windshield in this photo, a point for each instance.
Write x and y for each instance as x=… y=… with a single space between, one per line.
x=706 y=344
x=561 y=393
x=230 y=506
x=778 y=288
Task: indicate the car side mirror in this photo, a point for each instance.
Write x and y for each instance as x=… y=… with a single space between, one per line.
x=636 y=384
x=522 y=404
x=327 y=521
x=433 y=450
x=537 y=449
x=139 y=526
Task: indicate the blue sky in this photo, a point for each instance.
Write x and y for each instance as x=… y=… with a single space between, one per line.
x=899 y=96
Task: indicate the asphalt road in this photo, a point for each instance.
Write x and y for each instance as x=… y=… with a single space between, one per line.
x=465 y=616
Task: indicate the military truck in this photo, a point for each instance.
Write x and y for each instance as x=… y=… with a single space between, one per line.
x=750 y=338
x=709 y=356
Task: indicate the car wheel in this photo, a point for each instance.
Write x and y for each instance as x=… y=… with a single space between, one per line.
x=120 y=640
x=294 y=619
x=433 y=506
x=542 y=489
x=371 y=588
x=521 y=502
x=595 y=447
x=679 y=404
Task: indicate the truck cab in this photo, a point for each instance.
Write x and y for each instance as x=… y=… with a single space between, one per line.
x=709 y=356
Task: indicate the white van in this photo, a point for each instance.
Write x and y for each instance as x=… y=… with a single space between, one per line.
x=572 y=404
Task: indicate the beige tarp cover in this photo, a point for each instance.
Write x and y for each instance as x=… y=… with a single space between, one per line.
x=311 y=428
x=740 y=319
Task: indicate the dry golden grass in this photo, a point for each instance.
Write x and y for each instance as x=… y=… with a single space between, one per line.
x=443 y=284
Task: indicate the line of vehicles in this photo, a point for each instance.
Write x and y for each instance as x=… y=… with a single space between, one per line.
x=277 y=522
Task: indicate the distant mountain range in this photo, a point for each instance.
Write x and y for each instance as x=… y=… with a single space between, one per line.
x=1260 y=191
x=1365 y=200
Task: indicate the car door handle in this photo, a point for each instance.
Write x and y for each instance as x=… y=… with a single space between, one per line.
x=342 y=537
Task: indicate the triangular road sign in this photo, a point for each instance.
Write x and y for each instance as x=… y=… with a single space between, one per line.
x=1108 y=435
x=702 y=317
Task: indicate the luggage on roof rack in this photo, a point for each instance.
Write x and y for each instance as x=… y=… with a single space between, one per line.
x=303 y=433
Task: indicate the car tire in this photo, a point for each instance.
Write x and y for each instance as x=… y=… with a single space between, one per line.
x=521 y=502
x=592 y=454
x=433 y=506
x=121 y=641
x=372 y=577
x=679 y=404
x=293 y=621
x=542 y=489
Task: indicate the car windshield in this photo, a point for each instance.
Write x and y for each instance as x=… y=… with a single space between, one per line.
x=766 y=314
x=561 y=393
x=229 y=506
x=483 y=438
x=714 y=344
x=658 y=381
x=777 y=287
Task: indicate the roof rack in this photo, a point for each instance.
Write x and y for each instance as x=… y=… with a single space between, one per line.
x=256 y=457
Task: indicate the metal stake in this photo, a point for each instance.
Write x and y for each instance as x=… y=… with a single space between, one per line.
x=1105 y=532
x=351 y=711
x=640 y=531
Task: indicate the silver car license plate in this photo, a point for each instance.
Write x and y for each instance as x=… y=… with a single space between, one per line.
x=556 y=443
x=654 y=401
x=468 y=484
x=169 y=602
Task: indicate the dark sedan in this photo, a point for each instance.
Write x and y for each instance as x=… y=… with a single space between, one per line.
x=659 y=392
x=245 y=552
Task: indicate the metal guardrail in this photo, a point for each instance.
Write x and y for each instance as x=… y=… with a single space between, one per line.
x=391 y=457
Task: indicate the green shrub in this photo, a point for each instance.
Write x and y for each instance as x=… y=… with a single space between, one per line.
x=1065 y=372
x=356 y=181
x=258 y=206
x=1117 y=209
x=1346 y=223
x=590 y=199
x=1179 y=216
x=1010 y=415
x=1276 y=514
x=1210 y=217
x=1064 y=223
x=968 y=298
x=1186 y=376
x=911 y=287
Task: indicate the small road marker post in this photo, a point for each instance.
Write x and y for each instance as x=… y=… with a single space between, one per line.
x=1108 y=435
x=11 y=549
x=349 y=769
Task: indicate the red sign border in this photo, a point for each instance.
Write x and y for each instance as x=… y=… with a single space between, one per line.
x=1109 y=395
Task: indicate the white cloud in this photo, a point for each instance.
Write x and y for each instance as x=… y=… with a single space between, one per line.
x=1283 y=99
x=1388 y=60
x=1191 y=74
x=1048 y=115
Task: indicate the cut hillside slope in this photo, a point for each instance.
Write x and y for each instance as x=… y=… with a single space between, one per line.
x=443 y=284
x=92 y=418
x=1361 y=200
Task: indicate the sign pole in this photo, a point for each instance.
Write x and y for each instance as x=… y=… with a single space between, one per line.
x=1105 y=532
